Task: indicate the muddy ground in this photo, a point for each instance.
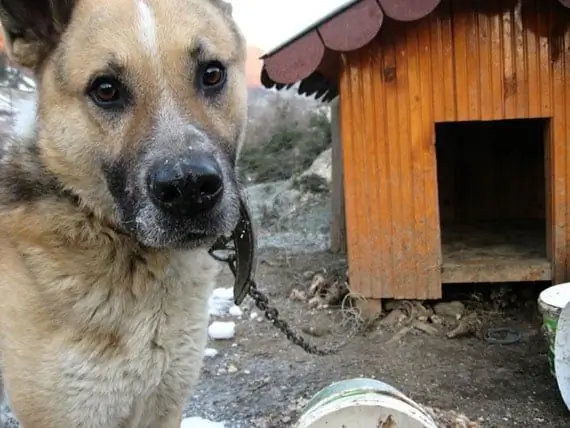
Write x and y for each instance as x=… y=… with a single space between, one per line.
x=495 y=385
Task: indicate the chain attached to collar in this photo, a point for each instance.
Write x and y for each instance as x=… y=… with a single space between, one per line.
x=240 y=249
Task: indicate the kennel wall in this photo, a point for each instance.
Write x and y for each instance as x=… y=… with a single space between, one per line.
x=456 y=64
x=463 y=61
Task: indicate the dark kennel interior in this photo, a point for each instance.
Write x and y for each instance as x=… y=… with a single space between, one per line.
x=492 y=200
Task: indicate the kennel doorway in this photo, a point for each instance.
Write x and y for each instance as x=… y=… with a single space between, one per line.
x=492 y=200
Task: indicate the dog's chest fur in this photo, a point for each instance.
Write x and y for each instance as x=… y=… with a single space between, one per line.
x=126 y=328
x=148 y=344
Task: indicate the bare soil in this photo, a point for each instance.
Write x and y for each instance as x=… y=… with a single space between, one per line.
x=494 y=385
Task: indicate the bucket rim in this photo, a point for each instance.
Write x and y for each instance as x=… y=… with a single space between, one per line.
x=367 y=399
x=556 y=296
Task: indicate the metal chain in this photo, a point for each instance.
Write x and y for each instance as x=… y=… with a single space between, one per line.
x=272 y=314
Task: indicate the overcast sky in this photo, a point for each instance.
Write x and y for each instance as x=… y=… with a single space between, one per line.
x=267 y=23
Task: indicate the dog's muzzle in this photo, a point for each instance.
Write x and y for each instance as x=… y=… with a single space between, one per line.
x=186 y=186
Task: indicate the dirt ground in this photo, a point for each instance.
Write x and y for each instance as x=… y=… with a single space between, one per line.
x=259 y=379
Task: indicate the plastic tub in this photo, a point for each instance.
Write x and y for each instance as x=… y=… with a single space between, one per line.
x=551 y=301
x=363 y=403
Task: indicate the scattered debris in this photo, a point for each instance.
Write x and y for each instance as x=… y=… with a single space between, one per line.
x=222 y=330
x=454 y=309
x=298 y=295
x=425 y=327
x=196 y=422
x=322 y=293
x=210 y=352
x=316 y=331
x=220 y=301
x=450 y=418
x=469 y=325
x=436 y=319
x=318 y=286
x=399 y=335
x=235 y=311
x=503 y=336
x=394 y=318
x=308 y=275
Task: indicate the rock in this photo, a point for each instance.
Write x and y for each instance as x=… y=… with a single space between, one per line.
x=453 y=309
x=436 y=319
x=308 y=275
x=420 y=311
x=312 y=183
x=394 y=318
x=318 y=286
x=232 y=368
x=288 y=218
x=298 y=295
x=426 y=328
x=450 y=418
x=321 y=168
x=315 y=302
x=316 y=331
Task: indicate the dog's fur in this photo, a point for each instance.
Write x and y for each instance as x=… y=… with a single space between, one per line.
x=103 y=297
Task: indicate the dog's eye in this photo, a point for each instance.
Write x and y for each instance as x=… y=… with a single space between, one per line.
x=213 y=75
x=107 y=92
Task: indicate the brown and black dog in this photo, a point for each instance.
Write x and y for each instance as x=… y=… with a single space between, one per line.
x=111 y=192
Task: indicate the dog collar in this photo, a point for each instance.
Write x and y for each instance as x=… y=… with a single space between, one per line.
x=241 y=257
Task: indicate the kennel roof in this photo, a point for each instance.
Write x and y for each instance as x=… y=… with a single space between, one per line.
x=309 y=60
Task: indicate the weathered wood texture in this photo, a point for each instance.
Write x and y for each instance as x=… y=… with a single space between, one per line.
x=338 y=223
x=457 y=64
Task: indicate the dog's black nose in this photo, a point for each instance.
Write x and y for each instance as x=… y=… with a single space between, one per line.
x=187 y=186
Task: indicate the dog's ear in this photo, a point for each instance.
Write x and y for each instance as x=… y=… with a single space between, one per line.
x=225 y=6
x=32 y=28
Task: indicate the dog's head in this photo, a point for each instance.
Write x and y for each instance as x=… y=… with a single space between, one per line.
x=141 y=109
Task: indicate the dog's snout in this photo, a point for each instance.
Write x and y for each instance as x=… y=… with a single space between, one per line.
x=186 y=186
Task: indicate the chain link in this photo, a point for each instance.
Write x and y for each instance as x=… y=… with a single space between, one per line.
x=272 y=314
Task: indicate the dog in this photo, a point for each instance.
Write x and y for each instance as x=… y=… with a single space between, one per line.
x=111 y=192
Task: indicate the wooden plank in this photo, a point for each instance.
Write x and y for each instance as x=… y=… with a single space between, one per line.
x=556 y=154
x=338 y=222
x=369 y=76
x=402 y=180
x=380 y=153
x=429 y=286
x=448 y=68
x=520 y=70
x=392 y=140
x=432 y=264
x=497 y=68
x=416 y=103
x=354 y=144
x=532 y=42
x=460 y=55
x=485 y=66
x=471 y=31
x=509 y=66
x=437 y=65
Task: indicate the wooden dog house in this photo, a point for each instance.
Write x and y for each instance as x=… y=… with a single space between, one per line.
x=455 y=132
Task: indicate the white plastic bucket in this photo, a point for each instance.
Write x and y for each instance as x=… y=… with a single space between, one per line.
x=562 y=354
x=363 y=403
x=551 y=301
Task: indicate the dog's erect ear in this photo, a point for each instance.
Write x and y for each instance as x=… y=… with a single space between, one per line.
x=225 y=6
x=32 y=28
